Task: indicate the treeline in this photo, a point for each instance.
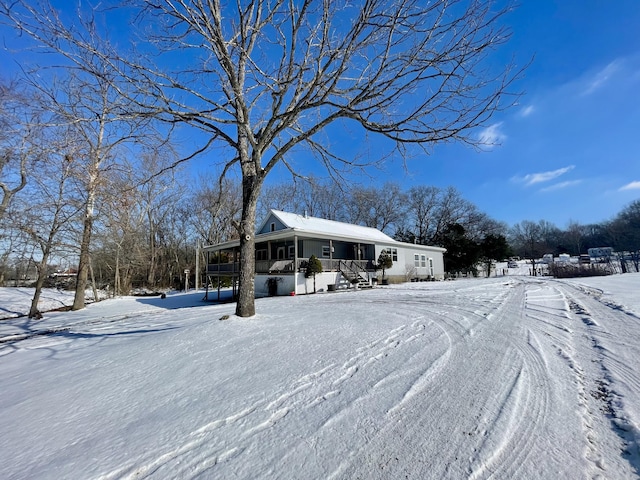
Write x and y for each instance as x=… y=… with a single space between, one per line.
x=433 y=216
x=533 y=239
x=422 y=214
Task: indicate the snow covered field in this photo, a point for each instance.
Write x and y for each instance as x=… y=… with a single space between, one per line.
x=508 y=377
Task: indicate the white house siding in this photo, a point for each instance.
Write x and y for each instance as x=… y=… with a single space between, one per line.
x=285 y=286
x=297 y=283
x=323 y=280
x=404 y=268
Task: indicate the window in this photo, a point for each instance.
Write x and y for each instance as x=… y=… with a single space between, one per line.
x=393 y=253
x=416 y=260
x=423 y=260
x=326 y=251
x=292 y=251
x=273 y=226
x=431 y=267
x=261 y=254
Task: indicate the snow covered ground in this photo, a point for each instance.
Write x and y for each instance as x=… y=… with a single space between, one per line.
x=15 y=302
x=507 y=377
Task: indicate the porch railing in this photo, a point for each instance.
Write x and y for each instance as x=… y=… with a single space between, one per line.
x=334 y=264
x=287 y=266
x=262 y=266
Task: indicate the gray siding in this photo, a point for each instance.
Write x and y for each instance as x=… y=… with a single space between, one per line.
x=341 y=250
x=267 y=226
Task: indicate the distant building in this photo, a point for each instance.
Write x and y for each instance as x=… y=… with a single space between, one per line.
x=600 y=254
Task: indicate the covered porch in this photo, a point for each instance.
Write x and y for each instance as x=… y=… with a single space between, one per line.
x=288 y=255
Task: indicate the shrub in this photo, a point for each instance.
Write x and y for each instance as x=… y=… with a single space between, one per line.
x=384 y=262
x=314 y=266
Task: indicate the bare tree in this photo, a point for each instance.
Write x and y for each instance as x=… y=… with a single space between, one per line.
x=431 y=211
x=528 y=237
x=215 y=209
x=421 y=207
x=278 y=196
x=20 y=132
x=274 y=75
x=103 y=126
x=266 y=77
x=121 y=245
x=376 y=207
x=46 y=212
x=157 y=196
x=311 y=195
x=575 y=235
x=87 y=97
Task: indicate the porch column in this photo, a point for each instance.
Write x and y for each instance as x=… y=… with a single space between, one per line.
x=295 y=264
x=330 y=255
x=233 y=274
x=218 y=278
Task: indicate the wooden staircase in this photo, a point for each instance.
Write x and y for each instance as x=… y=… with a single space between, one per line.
x=353 y=274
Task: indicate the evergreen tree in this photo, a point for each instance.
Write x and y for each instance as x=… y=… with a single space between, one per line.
x=462 y=253
x=314 y=266
x=384 y=262
x=493 y=247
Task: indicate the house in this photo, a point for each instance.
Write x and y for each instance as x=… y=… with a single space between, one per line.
x=348 y=253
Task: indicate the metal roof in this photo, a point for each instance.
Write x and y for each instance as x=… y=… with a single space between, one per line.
x=314 y=227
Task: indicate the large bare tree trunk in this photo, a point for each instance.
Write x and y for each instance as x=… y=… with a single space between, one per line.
x=85 y=258
x=251 y=186
x=116 y=276
x=41 y=266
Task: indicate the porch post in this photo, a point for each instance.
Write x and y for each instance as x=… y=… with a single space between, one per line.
x=295 y=264
x=233 y=274
x=219 y=255
x=330 y=255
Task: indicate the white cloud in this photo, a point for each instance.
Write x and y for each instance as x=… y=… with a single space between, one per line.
x=492 y=135
x=631 y=186
x=540 y=177
x=561 y=185
x=526 y=111
x=601 y=77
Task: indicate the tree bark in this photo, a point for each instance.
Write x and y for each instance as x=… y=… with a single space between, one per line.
x=246 y=286
x=83 y=264
x=41 y=266
x=151 y=275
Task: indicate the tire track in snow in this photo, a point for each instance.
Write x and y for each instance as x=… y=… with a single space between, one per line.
x=522 y=410
x=202 y=450
x=154 y=462
x=574 y=332
x=611 y=378
x=565 y=336
x=496 y=413
x=592 y=445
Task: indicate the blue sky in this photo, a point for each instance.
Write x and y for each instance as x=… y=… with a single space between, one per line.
x=569 y=151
